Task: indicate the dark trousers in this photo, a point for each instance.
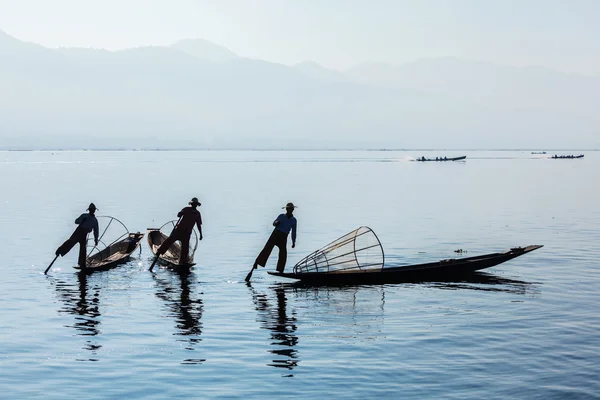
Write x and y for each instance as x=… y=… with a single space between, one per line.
x=278 y=239
x=184 y=238
x=79 y=236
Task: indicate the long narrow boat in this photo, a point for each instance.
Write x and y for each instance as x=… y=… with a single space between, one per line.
x=442 y=158
x=171 y=257
x=443 y=269
x=566 y=157
x=114 y=254
x=123 y=243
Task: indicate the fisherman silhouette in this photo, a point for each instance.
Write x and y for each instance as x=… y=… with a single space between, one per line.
x=189 y=216
x=87 y=223
x=284 y=223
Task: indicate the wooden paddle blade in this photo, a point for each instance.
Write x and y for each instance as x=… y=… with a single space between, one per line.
x=50 y=266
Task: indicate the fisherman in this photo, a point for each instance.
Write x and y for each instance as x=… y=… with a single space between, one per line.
x=188 y=217
x=283 y=224
x=87 y=222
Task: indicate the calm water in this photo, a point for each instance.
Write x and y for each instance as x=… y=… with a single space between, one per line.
x=530 y=328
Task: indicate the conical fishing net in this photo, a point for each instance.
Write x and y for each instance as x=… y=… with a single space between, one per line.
x=359 y=250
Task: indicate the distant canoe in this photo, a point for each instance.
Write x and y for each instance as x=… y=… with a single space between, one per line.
x=442 y=159
x=538 y=152
x=443 y=269
x=115 y=254
x=567 y=157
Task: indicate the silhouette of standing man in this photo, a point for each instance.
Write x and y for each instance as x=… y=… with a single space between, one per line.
x=87 y=222
x=283 y=224
x=190 y=216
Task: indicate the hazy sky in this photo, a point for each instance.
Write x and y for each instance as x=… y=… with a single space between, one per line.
x=335 y=33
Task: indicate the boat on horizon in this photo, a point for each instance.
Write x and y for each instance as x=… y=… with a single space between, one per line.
x=566 y=156
x=442 y=158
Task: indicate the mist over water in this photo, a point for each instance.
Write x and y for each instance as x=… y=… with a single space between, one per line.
x=524 y=329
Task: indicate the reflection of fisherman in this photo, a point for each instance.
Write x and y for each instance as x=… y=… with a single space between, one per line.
x=87 y=222
x=283 y=224
x=189 y=216
x=282 y=326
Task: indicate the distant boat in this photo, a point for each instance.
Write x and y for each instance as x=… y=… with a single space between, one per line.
x=442 y=158
x=569 y=156
x=538 y=152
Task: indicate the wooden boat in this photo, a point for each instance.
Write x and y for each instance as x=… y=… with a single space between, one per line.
x=569 y=156
x=432 y=271
x=538 y=152
x=118 y=251
x=442 y=158
x=156 y=238
x=114 y=254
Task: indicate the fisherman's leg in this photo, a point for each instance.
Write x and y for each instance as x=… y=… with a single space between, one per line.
x=282 y=244
x=185 y=250
x=65 y=247
x=266 y=252
x=82 y=252
x=69 y=243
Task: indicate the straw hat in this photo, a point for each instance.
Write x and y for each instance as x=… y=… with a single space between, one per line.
x=290 y=205
x=194 y=202
x=92 y=206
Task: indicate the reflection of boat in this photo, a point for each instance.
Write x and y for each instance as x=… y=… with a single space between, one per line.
x=116 y=252
x=480 y=281
x=172 y=256
x=568 y=156
x=340 y=269
x=442 y=158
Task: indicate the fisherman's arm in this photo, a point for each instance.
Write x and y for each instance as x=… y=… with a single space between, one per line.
x=80 y=219
x=199 y=225
x=96 y=232
x=276 y=222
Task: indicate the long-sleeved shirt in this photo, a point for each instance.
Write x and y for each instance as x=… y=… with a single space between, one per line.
x=286 y=224
x=89 y=223
x=191 y=217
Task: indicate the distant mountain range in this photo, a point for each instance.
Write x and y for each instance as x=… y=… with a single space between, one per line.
x=196 y=94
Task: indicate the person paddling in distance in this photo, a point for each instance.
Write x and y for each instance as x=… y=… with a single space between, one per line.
x=283 y=224
x=87 y=223
x=188 y=217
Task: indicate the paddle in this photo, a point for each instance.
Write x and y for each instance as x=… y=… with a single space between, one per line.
x=250 y=274
x=50 y=266
x=158 y=255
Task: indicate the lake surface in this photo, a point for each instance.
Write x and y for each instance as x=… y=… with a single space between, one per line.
x=529 y=328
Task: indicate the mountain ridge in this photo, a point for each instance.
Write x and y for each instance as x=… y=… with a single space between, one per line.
x=162 y=95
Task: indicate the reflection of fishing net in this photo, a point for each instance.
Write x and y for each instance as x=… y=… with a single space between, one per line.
x=359 y=250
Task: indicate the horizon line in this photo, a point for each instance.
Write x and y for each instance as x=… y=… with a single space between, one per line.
x=50 y=149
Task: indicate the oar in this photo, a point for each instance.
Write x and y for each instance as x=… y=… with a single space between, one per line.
x=250 y=273
x=50 y=266
x=158 y=255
